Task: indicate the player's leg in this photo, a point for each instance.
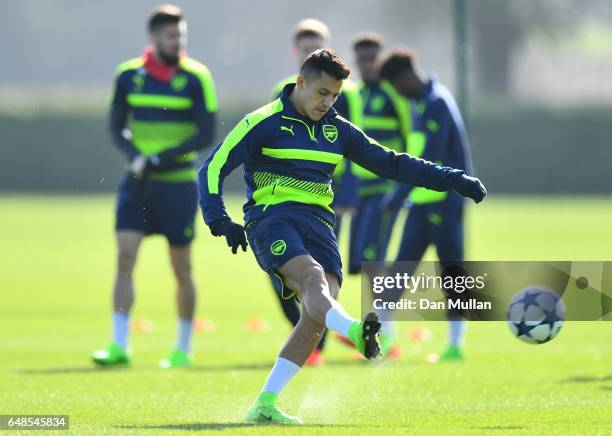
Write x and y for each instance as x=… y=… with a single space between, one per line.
x=132 y=222
x=291 y=310
x=447 y=228
x=180 y=257
x=294 y=353
x=128 y=242
x=307 y=276
x=315 y=316
x=316 y=358
x=280 y=243
x=297 y=348
x=174 y=209
x=369 y=229
x=360 y=231
x=415 y=240
x=386 y=223
x=308 y=332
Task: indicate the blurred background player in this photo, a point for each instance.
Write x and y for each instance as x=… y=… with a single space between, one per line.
x=310 y=35
x=288 y=216
x=435 y=217
x=171 y=101
x=387 y=119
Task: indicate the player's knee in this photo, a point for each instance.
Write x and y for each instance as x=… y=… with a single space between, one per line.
x=182 y=269
x=313 y=279
x=126 y=260
x=313 y=290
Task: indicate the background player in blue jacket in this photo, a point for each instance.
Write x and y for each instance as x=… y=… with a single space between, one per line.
x=435 y=217
x=386 y=118
x=310 y=35
x=170 y=102
x=290 y=149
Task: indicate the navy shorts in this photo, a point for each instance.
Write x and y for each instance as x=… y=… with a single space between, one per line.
x=370 y=232
x=440 y=224
x=276 y=239
x=154 y=207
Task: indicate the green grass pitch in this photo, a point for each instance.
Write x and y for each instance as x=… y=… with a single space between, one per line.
x=57 y=266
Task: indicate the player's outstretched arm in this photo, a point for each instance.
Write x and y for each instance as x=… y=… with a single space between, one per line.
x=407 y=169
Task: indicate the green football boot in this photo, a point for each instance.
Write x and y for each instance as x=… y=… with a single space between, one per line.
x=264 y=411
x=453 y=353
x=176 y=359
x=113 y=355
x=364 y=335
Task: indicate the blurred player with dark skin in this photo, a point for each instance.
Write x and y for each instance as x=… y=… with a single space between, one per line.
x=386 y=119
x=439 y=136
x=310 y=35
x=290 y=149
x=170 y=101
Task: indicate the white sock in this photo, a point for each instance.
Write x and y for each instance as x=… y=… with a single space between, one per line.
x=386 y=323
x=121 y=328
x=456 y=330
x=280 y=376
x=183 y=339
x=338 y=320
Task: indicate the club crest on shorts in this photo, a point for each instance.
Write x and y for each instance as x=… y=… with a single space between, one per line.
x=278 y=247
x=330 y=132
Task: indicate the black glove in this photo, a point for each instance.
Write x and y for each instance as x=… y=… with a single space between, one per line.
x=234 y=234
x=470 y=187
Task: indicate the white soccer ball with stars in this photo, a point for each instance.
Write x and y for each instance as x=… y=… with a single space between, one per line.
x=536 y=314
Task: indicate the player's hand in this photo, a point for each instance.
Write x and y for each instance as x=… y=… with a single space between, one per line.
x=233 y=232
x=138 y=165
x=470 y=187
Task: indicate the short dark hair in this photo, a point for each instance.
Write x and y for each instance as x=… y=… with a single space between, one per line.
x=325 y=60
x=396 y=62
x=368 y=39
x=310 y=28
x=162 y=15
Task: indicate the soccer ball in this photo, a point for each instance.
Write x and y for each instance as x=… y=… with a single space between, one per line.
x=536 y=314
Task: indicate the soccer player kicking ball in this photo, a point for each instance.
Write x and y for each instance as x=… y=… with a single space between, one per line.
x=310 y=35
x=289 y=149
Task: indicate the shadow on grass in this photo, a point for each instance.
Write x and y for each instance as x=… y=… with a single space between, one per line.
x=69 y=370
x=189 y=427
x=200 y=426
x=232 y=367
x=268 y=366
x=587 y=379
x=203 y=368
